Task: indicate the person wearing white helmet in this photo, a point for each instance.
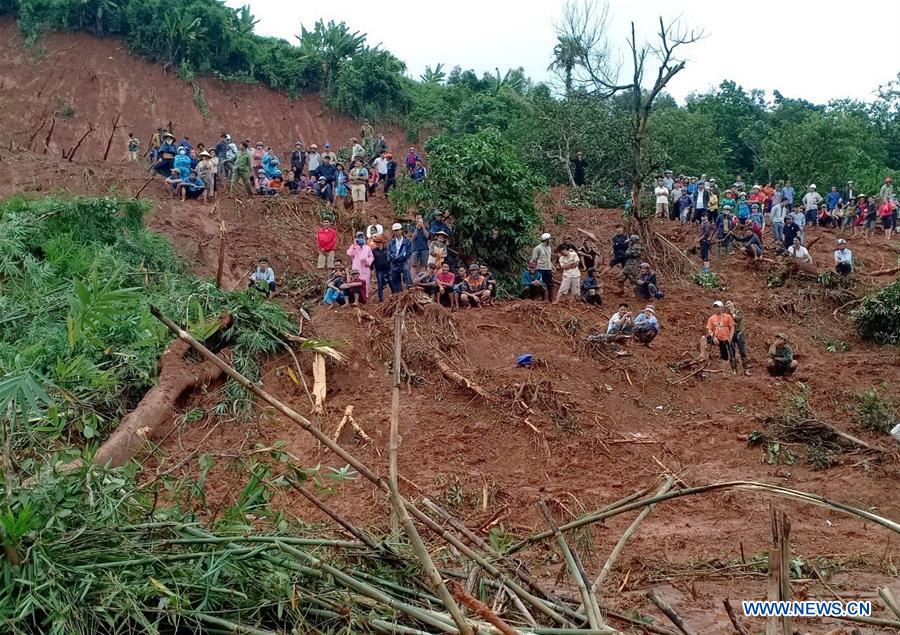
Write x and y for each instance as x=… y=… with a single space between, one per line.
x=720 y=330
x=811 y=201
x=542 y=254
x=843 y=258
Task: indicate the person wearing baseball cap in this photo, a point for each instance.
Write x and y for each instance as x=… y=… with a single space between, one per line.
x=843 y=258
x=399 y=249
x=646 y=326
x=781 y=362
x=720 y=329
x=542 y=254
x=313 y=160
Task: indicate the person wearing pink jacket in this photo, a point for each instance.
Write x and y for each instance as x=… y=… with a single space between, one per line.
x=361 y=258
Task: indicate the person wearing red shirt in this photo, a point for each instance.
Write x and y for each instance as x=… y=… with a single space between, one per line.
x=326 y=241
x=446 y=279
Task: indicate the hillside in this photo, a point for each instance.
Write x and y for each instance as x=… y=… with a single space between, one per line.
x=83 y=82
x=595 y=426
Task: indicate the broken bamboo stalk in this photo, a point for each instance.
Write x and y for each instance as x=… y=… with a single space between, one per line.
x=359 y=466
x=455 y=377
x=753 y=486
x=890 y=601
x=112 y=135
x=735 y=620
x=325 y=509
x=421 y=551
x=221 y=264
x=394 y=441
x=480 y=609
x=670 y=613
x=620 y=545
x=587 y=599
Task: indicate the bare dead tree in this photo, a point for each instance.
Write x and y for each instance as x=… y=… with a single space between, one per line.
x=70 y=155
x=599 y=73
x=112 y=135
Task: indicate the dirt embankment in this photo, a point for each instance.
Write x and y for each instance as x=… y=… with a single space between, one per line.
x=81 y=82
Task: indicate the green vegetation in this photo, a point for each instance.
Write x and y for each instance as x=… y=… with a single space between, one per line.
x=876 y=409
x=78 y=347
x=489 y=192
x=877 y=318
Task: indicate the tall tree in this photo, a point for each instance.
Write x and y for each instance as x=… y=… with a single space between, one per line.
x=585 y=23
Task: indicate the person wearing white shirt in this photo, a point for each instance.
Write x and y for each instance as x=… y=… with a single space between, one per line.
x=621 y=322
x=569 y=262
x=843 y=258
x=662 y=199
x=375 y=229
x=776 y=218
x=800 y=252
x=263 y=278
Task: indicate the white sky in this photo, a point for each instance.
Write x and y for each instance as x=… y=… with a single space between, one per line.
x=815 y=50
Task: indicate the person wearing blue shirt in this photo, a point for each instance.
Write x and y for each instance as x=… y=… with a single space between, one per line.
x=183 y=162
x=193 y=187
x=186 y=144
x=263 y=278
x=399 y=249
x=271 y=165
x=166 y=153
x=328 y=170
x=419 y=172
x=532 y=283
x=788 y=192
x=438 y=225
x=419 y=246
x=646 y=326
x=833 y=198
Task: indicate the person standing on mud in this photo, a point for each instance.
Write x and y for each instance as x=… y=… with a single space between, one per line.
x=543 y=256
x=631 y=268
x=241 y=170
x=155 y=142
x=298 y=159
x=367 y=132
x=620 y=247
x=398 y=256
x=720 y=330
x=134 y=147
x=738 y=342
x=359 y=176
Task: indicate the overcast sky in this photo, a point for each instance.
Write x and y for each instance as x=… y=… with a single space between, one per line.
x=811 y=50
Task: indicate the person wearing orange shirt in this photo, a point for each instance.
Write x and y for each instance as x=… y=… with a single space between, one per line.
x=720 y=328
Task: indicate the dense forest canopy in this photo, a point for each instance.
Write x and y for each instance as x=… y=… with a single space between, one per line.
x=726 y=131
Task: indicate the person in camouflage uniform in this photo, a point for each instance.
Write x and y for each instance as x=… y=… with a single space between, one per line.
x=740 y=344
x=631 y=269
x=368 y=138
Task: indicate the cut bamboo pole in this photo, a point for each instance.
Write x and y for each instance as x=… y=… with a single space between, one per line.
x=620 y=545
x=671 y=613
x=890 y=601
x=394 y=442
x=593 y=614
x=340 y=520
x=437 y=583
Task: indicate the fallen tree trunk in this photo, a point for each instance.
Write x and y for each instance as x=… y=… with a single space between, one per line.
x=455 y=377
x=176 y=375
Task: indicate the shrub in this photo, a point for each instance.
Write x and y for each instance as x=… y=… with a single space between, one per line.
x=877 y=319
x=875 y=411
x=489 y=192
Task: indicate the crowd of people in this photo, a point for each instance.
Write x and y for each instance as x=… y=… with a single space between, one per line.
x=345 y=179
x=731 y=218
x=418 y=254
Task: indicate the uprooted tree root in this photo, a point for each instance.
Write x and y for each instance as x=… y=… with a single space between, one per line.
x=177 y=374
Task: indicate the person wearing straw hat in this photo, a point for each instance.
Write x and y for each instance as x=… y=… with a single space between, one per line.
x=781 y=362
x=166 y=155
x=206 y=171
